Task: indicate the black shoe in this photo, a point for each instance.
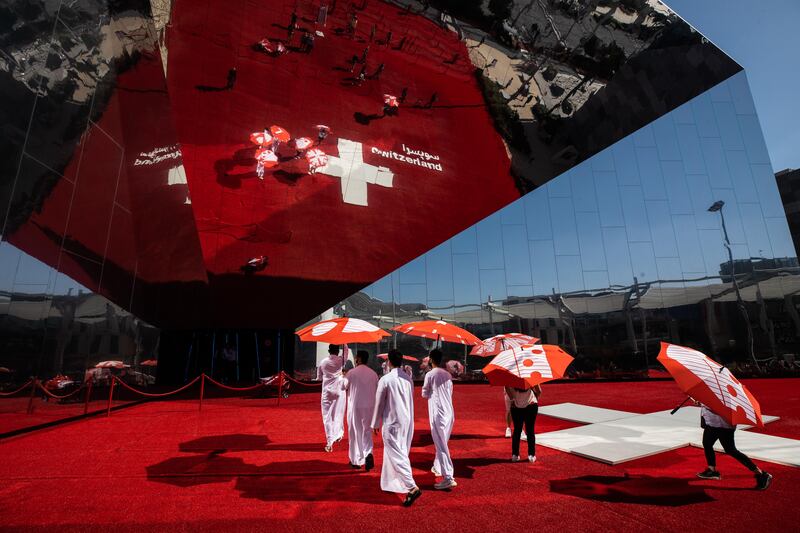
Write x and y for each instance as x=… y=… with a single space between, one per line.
x=369 y=462
x=354 y=466
x=411 y=497
x=709 y=474
x=763 y=481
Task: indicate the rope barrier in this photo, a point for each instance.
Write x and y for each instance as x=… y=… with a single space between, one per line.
x=241 y=389
x=12 y=393
x=57 y=397
x=158 y=395
x=290 y=378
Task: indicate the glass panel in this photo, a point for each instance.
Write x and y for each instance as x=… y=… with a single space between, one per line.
x=740 y=94
x=666 y=140
x=591 y=241
x=691 y=152
x=702 y=198
x=732 y=219
x=440 y=273
x=513 y=213
x=516 y=255
x=643 y=261
x=677 y=190
x=595 y=280
x=688 y=245
x=413 y=271
x=466 y=281
x=756 y=230
x=465 y=242
x=652 y=179
x=704 y=116
x=625 y=163
x=754 y=140
x=608 y=202
x=413 y=293
x=768 y=195
x=583 y=196
x=493 y=284
x=490 y=242
x=537 y=215
x=543 y=263
x=740 y=175
x=780 y=237
x=716 y=164
x=661 y=229
x=635 y=214
x=565 y=234
x=728 y=126
x=603 y=161
x=570 y=275
x=615 y=241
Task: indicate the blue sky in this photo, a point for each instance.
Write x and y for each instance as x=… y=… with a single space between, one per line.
x=763 y=36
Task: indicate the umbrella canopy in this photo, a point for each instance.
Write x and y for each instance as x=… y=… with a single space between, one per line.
x=527 y=366
x=149 y=362
x=279 y=133
x=301 y=143
x=341 y=331
x=498 y=343
x=454 y=367
x=385 y=356
x=390 y=100
x=267 y=158
x=439 y=330
x=316 y=159
x=110 y=364
x=260 y=137
x=711 y=384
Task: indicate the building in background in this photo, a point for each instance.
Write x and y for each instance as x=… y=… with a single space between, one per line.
x=789 y=187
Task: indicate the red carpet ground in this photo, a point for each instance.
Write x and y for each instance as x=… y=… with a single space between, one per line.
x=246 y=464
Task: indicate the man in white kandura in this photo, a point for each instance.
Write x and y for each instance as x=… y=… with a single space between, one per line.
x=361 y=384
x=394 y=408
x=333 y=397
x=438 y=390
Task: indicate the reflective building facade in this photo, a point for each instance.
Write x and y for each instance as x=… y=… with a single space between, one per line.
x=548 y=174
x=621 y=252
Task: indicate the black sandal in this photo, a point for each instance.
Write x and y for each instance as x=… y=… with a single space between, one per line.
x=411 y=496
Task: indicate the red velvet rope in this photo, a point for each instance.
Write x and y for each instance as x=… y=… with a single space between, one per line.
x=160 y=395
x=57 y=397
x=290 y=378
x=218 y=384
x=12 y=393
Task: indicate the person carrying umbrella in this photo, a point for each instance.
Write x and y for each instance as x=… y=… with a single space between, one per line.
x=438 y=390
x=394 y=413
x=524 y=408
x=715 y=428
x=332 y=399
x=361 y=384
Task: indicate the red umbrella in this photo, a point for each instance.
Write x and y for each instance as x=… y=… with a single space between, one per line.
x=260 y=137
x=498 y=343
x=385 y=356
x=316 y=159
x=711 y=384
x=279 y=133
x=390 y=100
x=110 y=364
x=527 y=366
x=439 y=330
x=341 y=331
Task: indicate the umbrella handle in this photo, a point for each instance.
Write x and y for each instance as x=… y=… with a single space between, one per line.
x=681 y=405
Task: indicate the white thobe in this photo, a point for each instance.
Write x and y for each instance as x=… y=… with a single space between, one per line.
x=438 y=390
x=361 y=384
x=394 y=408
x=332 y=398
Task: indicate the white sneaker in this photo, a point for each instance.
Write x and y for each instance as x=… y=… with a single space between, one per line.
x=508 y=433
x=515 y=458
x=531 y=458
x=524 y=437
x=329 y=448
x=435 y=472
x=445 y=484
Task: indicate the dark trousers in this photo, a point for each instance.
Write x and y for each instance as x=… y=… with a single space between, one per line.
x=526 y=416
x=725 y=437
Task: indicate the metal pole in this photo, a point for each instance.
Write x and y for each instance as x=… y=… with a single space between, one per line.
x=739 y=301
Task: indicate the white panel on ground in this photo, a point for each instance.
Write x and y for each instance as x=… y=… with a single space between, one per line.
x=585 y=414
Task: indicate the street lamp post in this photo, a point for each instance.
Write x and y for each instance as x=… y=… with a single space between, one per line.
x=717 y=207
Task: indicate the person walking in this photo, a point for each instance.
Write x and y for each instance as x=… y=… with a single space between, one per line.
x=361 y=383
x=231 y=79
x=524 y=407
x=715 y=428
x=394 y=417
x=332 y=399
x=438 y=390
x=507 y=402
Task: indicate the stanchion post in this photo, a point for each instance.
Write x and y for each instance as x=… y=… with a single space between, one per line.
x=280 y=386
x=202 y=390
x=88 y=396
x=33 y=393
x=111 y=395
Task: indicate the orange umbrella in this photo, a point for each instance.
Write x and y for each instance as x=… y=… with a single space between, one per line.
x=390 y=100
x=498 y=343
x=385 y=356
x=341 y=331
x=279 y=133
x=149 y=362
x=439 y=330
x=266 y=158
x=301 y=143
x=527 y=366
x=711 y=384
x=316 y=159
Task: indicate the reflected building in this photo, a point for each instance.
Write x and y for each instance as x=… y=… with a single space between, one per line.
x=549 y=170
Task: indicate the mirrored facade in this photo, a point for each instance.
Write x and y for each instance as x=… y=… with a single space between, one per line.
x=621 y=252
